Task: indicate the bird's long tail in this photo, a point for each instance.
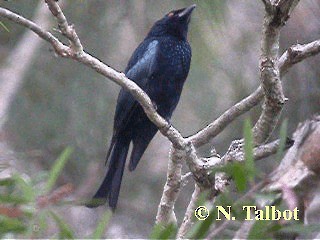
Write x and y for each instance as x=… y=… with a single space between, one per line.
x=110 y=187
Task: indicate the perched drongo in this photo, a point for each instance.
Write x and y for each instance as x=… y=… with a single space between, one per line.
x=160 y=66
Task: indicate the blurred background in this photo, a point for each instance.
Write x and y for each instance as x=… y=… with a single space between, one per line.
x=49 y=103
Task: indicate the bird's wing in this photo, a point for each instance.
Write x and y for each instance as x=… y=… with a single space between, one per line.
x=140 y=69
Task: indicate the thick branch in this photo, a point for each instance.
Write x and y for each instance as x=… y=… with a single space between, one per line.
x=269 y=69
x=200 y=168
x=171 y=189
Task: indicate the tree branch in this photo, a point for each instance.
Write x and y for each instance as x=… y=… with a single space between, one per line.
x=292 y=56
x=269 y=69
x=218 y=125
x=259 y=152
x=298 y=173
x=165 y=214
x=67 y=30
x=60 y=48
x=184 y=149
x=75 y=52
x=302 y=161
x=188 y=219
x=297 y=53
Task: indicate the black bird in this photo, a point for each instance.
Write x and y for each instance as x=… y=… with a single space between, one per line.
x=160 y=66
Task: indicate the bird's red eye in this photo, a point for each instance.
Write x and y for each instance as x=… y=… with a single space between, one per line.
x=170 y=14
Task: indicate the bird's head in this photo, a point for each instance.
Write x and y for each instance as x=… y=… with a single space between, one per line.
x=174 y=23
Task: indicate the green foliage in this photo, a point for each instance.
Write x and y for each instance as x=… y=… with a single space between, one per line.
x=11 y=225
x=7 y=182
x=263 y=229
x=57 y=168
x=242 y=174
x=163 y=232
x=98 y=232
x=65 y=231
x=23 y=216
x=4 y=26
x=201 y=228
x=300 y=228
x=237 y=171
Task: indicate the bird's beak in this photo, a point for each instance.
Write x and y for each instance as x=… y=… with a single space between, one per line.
x=186 y=13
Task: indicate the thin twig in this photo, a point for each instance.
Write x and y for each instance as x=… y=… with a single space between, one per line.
x=60 y=48
x=218 y=125
x=297 y=53
x=67 y=30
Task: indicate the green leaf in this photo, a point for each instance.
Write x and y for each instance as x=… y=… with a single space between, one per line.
x=163 y=232
x=283 y=138
x=301 y=228
x=239 y=176
x=98 y=232
x=65 y=231
x=37 y=225
x=26 y=188
x=12 y=199
x=200 y=228
x=248 y=151
x=237 y=171
x=11 y=225
x=4 y=26
x=57 y=168
x=263 y=229
x=7 y=182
